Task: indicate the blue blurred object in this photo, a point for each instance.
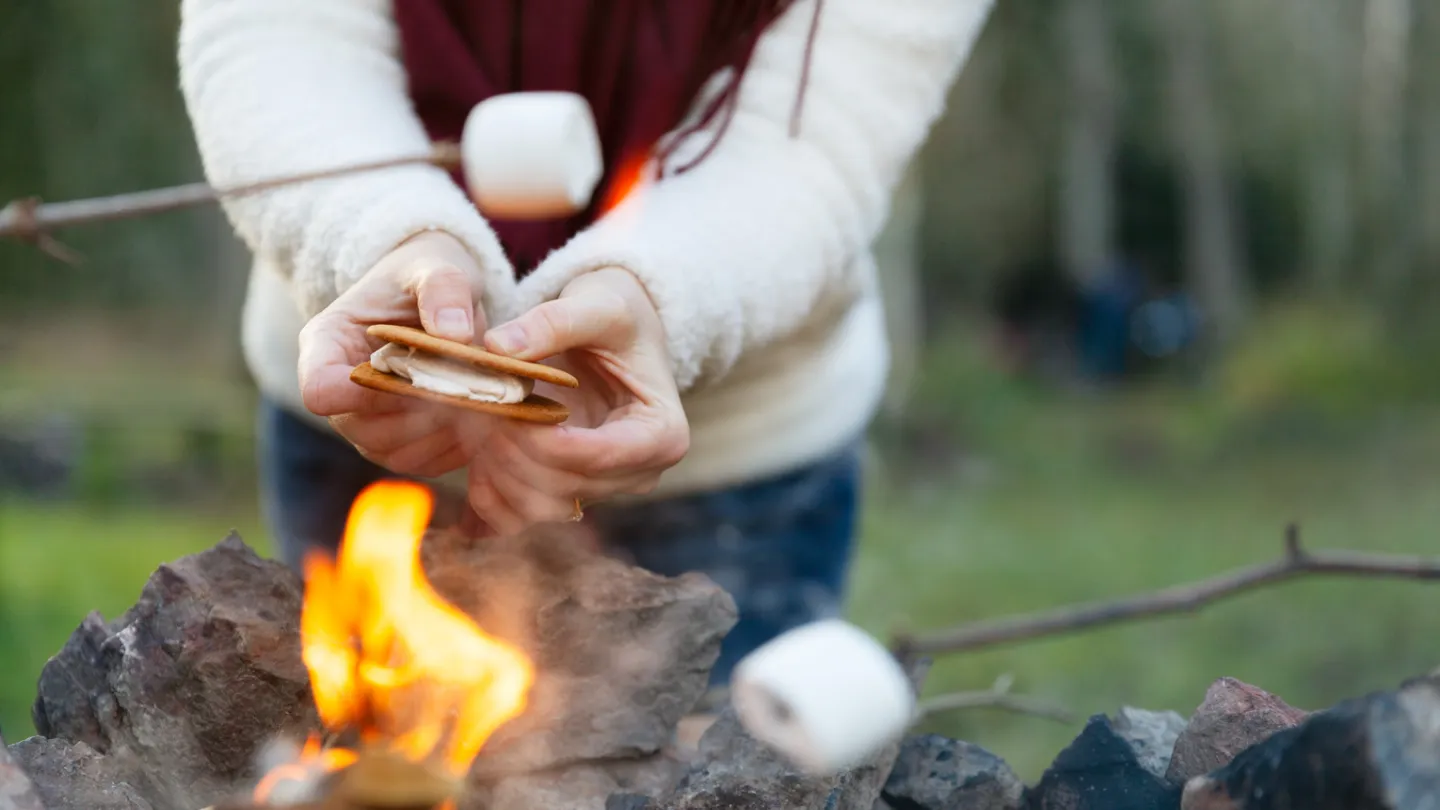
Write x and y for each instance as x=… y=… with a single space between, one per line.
x=1125 y=326
x=1165 y=326
x=1104 y=326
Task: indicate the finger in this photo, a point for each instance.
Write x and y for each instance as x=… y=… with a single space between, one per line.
x=478 y=325
x=628 y=444
x=561 y=486
x=445 y=299
x=490 y=505
x=421 y=454
x=442 y=465
x=598 y=320
x=532 y=504
x=327 y=354
x=505 y=453
x=386 y=433
x=328 y=391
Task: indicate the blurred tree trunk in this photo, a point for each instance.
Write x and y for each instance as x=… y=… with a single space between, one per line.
x=1087 y=187
x=1384 y=75
x=1212 y=252
x=1425 y=137
x=1326 y=82
x=110 y=118
x=22 y=41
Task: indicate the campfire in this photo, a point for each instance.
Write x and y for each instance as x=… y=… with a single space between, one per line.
x=415 y=682
x=418 y=671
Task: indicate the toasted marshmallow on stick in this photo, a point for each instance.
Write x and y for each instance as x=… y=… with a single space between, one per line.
x=532 y=155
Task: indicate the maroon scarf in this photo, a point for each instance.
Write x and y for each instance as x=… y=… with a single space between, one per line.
x=639 y=63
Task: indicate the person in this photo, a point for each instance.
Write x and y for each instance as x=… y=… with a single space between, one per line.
x=718 y=300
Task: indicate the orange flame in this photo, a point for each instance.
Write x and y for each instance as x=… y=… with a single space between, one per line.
x=628 y=177
x=387 y=655
x=313 y=758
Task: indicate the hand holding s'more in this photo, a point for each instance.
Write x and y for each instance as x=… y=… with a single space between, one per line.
x=404 y=366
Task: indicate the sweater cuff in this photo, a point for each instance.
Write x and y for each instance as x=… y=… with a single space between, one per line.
x=373 y=214
x=612 y=242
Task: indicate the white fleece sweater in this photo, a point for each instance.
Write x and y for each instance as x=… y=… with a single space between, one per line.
x=758 y=259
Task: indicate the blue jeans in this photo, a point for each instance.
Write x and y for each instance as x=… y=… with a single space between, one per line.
x=781 y=547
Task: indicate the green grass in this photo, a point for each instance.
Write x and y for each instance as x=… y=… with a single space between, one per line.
x=935 y=556
x=1033 y=500
x=58 y=562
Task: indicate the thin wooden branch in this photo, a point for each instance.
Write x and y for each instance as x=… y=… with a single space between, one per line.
x=997 y=696
x=1296 y=562
x=33 y=221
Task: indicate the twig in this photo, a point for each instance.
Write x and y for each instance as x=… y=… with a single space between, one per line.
x=997 y=696
x=32 y=221
x=1296 y=562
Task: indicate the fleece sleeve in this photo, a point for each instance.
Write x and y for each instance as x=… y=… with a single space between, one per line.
x=275 y=87
x=738 y=250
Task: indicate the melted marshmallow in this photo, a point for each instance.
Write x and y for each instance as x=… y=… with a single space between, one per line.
x=454 y=378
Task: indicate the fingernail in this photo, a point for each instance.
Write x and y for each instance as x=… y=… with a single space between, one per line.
x=508 y=339
x=453 y=321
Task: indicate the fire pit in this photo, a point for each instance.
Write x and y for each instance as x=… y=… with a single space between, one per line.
x=420 y=686
x=230 y=681
x=418 y=671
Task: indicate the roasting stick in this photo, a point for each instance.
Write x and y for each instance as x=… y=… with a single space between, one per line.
x=31 y=220
x=531 y=155
x=524 y=156
x=826 y=693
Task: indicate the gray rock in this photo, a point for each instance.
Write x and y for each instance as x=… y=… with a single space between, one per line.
x=1100 y=770
x=583 y=786
x=205 y=670
x=628 y=801
x=74 y=776
x=933 y=772
x=191 y=681
x=1232 y=717
x=16 y=790
x=1151 y=734
x=1377 y=752
x=578 y=787
x=621 y=654
x=733 y=771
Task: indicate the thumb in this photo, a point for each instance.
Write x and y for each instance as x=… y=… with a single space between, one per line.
x=447 y=305
x=595 y=320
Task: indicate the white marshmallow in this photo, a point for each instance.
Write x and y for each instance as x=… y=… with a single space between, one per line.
x=443 y=375
x=826 y=696
x=532 y=155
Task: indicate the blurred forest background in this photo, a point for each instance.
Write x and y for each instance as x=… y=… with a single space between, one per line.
x=1162 y=281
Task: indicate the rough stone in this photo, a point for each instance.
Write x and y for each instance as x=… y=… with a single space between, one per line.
x=192 y=680
x=621 y=654
x=579 y=787
x=733 y=771
x=583 y=786
x=627 y=801
x=1151 y=734
x=1232 y=717
x=74 y=776
x=16 y=790
x=205 y=670
x=1100 y=770
x=933 y=772
x=1377 y=752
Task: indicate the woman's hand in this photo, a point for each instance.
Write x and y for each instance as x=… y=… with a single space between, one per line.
x=432 y=281
x=626 y=425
